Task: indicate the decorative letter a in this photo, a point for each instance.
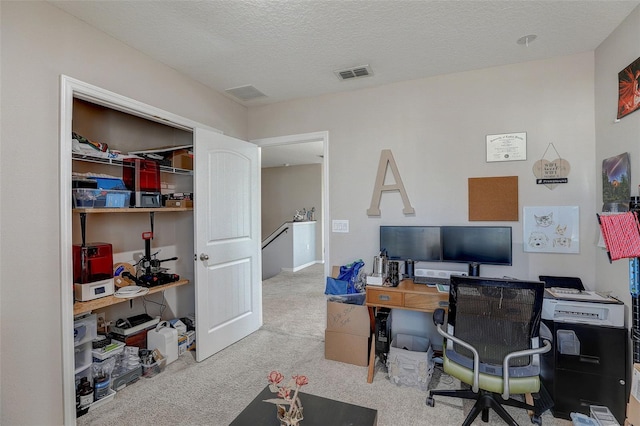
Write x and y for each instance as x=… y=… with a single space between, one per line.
x=386 y=159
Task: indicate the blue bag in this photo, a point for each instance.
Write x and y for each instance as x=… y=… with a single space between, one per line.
x=335 y=286
x=349 y=273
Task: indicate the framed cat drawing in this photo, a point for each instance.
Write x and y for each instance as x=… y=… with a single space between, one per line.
x=551 y=229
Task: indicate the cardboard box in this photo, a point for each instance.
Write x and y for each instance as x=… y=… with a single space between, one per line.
x=347 y=348
x=347 y=336
x=348 y=318
x=182 y=159
x=178 y=203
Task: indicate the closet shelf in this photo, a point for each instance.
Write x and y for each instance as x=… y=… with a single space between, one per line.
x=103 y=302
x=132 y=210
x=118 y=162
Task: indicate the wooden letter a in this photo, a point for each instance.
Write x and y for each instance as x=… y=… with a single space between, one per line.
x=386 y=159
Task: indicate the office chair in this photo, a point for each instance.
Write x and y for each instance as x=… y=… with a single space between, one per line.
x=492 y=343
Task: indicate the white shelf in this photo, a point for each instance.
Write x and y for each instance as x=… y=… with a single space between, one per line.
x=118 y=162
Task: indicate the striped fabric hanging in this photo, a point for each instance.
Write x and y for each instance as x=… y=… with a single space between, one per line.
x=621 y=235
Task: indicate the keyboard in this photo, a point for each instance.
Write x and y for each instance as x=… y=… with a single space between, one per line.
x=431 y=281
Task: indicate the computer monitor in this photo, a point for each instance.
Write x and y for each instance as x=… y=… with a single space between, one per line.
x=476 y=245
x=418 y=243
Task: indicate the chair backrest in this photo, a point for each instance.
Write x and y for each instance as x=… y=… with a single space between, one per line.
x=496 y=316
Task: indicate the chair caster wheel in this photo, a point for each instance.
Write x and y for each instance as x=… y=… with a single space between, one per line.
x=430 y=401
x=536 y=420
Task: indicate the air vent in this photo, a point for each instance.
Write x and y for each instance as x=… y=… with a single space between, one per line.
x=355 y=72
x=245 y=93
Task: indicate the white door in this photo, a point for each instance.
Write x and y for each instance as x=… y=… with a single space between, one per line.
x=228 y=286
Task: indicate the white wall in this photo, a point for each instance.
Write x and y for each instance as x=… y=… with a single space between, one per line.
x=436 y=130
x=612 y=138
x=304 y=244
x=40 y=42
x=287 y=189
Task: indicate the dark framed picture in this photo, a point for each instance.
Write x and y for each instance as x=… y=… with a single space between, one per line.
x=616 y=183
x=629 y=89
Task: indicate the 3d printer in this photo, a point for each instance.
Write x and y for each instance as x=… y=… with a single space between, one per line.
x=143 y=178
x=149 y=273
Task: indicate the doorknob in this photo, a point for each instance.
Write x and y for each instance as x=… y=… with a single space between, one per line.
x=204 y=257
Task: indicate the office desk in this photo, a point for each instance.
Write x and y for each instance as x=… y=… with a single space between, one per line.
x=407 y=295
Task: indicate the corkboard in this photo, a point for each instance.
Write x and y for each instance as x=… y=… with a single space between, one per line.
x=493 y=198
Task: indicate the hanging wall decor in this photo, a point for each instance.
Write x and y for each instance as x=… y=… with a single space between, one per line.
x=551 y=229
x=551 y=173
x=493 y=198
x=386 y=161
x=629 y=89
x=616 y=183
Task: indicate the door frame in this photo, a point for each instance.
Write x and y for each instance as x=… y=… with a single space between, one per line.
x=71 y=88
x=302 y=138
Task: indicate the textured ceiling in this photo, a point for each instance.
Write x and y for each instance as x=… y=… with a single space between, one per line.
x=289 y=49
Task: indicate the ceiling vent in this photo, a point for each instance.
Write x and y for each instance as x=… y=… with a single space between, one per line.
x=245 y=93
x=355 y=72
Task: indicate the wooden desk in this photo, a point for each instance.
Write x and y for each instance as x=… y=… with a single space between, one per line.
x=407 y=295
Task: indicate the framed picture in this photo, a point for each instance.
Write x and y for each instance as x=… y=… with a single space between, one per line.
x=551 y=229
x=507 y=147
x=629 y=89
x=616 y=183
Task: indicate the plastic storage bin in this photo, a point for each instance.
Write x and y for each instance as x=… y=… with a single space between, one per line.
x=97 y=198
x=121 y=379
x=150 y=370
x=85 y=329
x=108 y=351
x=410 y=361
x=82 y=356
x=353 y=298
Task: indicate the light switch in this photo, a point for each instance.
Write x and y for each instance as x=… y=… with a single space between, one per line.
x=340 y=226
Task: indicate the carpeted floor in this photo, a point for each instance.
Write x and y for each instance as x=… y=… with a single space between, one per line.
x=291 y=340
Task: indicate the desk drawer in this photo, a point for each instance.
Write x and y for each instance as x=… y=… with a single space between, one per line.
x=384 y=297
x=425 y=302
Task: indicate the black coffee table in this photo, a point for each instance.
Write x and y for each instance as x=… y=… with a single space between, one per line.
x=318 y=411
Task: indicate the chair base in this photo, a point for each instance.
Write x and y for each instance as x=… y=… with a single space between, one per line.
x=484 y=401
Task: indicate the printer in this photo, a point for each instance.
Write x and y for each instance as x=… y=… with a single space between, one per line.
x=588 y=361
x=566 y=301
x=586 y=307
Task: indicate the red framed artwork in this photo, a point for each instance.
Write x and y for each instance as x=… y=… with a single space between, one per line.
x=629 y=89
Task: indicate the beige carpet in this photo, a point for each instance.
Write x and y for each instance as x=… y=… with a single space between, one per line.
x=214 y=391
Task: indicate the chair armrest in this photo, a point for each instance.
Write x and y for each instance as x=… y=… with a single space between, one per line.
x=476 y=357
x=438 y=316
x=505 y=364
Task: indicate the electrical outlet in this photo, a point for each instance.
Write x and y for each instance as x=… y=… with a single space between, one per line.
x=340 y=226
